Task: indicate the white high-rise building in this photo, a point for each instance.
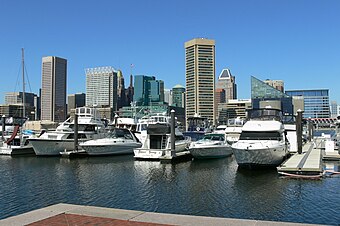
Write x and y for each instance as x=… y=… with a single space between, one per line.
x=101 y=87
x=53 y=90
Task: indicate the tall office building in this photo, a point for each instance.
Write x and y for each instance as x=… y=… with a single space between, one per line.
x=227 y=82
x=121 y=96
x=101 y=87
x=53 y=90
x=16 y=98
x=75 y=101
x=316 y=102
x=200 y=78
x=148 y=90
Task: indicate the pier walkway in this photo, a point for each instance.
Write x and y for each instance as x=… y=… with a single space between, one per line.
x=68 y=214
x=308 y=162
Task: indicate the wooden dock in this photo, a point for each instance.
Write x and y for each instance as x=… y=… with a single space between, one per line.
x=308 y=163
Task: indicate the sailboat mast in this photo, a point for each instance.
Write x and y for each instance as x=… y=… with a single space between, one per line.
x=23 y=83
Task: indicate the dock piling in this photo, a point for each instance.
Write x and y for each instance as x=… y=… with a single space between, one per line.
x=76 y=132
x=172 y=139
x=299 y=130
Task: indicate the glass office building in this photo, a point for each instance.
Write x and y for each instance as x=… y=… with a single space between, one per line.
x=316 y=102
x=262 y=93
x=148 y=90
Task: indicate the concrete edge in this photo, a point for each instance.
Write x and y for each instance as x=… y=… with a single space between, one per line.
x=132 y=215
x=37 y=215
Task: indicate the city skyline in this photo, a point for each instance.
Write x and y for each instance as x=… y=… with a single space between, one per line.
x=291 y=41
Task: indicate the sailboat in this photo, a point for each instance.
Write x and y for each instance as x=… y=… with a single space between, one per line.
x=16 y=143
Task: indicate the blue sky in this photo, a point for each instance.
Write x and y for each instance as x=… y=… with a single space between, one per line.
x=297 y=41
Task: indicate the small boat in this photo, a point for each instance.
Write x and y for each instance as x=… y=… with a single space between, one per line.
x=263 y=141
x=158 y=142
x=212 y=145
x=119 y=141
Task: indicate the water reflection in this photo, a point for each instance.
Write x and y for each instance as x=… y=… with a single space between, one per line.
x=214 y=187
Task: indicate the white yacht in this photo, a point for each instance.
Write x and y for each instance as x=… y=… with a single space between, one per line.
x=212 y=145
x=158 y=142
x=118 y=141
x=143 y=123
x=262 y=141
x=62 y=139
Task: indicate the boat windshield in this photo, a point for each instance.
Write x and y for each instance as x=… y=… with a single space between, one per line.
x=120 y=133
x=219 y=137
x=274 y=135
x=264 y=114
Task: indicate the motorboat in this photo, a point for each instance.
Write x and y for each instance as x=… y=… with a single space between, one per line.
x=118 y=141
x=263 y=141
x=158 y=142
x=212 y=145
x=90 y=127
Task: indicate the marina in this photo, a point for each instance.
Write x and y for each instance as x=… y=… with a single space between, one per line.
x=214 y=188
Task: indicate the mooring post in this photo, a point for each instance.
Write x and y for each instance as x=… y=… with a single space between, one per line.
x=76 y=132
x=116 y=120
x=172 y=137
x=299 y=130
x=3 y=118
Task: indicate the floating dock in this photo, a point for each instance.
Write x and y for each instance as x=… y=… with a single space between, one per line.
x=309 y=162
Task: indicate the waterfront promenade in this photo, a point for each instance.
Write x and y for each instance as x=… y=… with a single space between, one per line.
x=67 y=214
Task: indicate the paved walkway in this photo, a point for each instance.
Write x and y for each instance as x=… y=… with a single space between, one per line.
x=67 y=214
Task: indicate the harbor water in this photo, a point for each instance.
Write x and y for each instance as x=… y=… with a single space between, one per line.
x=217 y=188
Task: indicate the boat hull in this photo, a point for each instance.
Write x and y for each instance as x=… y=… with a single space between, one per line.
x=49 y=147
x=211 y=152
x=258 y=154
x=17 y=150
x=110 y=148
x=156 y=154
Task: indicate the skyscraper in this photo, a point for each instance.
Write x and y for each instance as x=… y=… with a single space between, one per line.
x=101 y=87
x=121 y=96
x=227 y=82
x=200 y=78
x=148 y=90
x=53 y=90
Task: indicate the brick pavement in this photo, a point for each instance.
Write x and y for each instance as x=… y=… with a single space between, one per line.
x=74 y=219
